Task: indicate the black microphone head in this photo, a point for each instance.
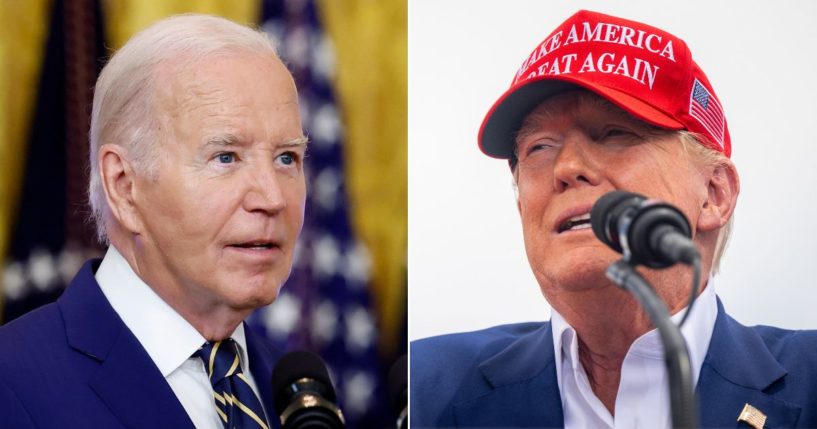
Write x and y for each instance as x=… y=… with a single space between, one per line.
x=650 y=218
x=398 y=384
x=604 y=216
x=643 y=222
x=295 y=366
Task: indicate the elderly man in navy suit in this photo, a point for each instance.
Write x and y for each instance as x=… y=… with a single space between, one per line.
x=606 y=104
x=197 y=184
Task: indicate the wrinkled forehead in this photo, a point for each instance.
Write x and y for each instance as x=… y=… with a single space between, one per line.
x=570 y=103
x=228 y=93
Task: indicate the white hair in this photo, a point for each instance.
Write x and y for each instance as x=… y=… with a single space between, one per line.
x=124 y=111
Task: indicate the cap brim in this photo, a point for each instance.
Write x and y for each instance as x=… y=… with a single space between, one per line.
x=499 y=128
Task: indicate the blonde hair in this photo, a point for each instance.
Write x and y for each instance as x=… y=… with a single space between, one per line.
x=124 y=111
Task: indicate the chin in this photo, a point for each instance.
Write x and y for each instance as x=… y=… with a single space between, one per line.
x=252 y=301
x=576 y=271
x=252 y=293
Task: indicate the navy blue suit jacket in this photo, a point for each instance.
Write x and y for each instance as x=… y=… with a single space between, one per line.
x=74 y=364
x=506 y=377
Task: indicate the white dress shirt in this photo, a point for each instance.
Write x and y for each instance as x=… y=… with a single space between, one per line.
x=168 y=338
x=642 y=400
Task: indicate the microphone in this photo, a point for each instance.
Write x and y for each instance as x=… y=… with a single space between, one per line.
x=657 y=235
x=303 y=392
x=648 y=232
x=398 y=390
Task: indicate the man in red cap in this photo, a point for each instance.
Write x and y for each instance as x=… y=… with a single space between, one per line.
x=605 y=104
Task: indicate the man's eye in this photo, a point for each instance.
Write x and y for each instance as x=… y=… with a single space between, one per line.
x=226 y=158
x=616 y=132
x=287 y=158
x=538 y=147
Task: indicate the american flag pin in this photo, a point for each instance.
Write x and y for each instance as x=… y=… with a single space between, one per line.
x=752 y=416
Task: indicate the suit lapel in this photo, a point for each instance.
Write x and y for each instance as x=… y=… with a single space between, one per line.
x=523 y=391
x=739 y=370
x=127 y=380
x=134 y=389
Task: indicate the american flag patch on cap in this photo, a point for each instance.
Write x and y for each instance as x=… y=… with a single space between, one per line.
x=706 y=109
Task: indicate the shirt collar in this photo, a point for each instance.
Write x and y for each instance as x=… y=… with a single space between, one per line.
x=167 y=337
x=697 y=332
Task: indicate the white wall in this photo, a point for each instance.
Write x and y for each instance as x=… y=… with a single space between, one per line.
x=467 y=266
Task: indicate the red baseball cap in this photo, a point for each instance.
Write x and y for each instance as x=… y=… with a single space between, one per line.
x=642 y=69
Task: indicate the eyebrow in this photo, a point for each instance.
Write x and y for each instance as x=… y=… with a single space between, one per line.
x=221 y=140
x=229 y=139
x=298 y=141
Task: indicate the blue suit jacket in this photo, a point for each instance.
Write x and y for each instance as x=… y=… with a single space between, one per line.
x=506 y=377
x=74 y=364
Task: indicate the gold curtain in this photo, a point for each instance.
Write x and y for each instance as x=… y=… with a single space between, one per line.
x=123 y=18
x=370 y=40
x=23 y=31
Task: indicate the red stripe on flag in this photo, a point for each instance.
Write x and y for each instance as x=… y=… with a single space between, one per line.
x=716 y=133
x=711 y=118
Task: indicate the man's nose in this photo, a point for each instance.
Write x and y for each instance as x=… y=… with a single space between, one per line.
x=574 y=165
x=265 y=191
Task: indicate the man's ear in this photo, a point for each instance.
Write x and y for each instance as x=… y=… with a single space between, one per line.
x=723 y=188
x=118 y=179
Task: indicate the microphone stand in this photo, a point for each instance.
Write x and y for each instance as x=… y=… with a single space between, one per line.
x=676 y=354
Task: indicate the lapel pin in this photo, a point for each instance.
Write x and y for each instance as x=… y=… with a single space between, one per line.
x=752 y=416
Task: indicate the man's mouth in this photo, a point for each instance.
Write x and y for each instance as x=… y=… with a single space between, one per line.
x=575 y=223
x=258 y=245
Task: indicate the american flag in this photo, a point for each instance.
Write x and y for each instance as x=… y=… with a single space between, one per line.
x=325 y=306
x=706 y=109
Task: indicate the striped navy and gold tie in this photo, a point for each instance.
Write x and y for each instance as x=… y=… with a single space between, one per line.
x=235 y=401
